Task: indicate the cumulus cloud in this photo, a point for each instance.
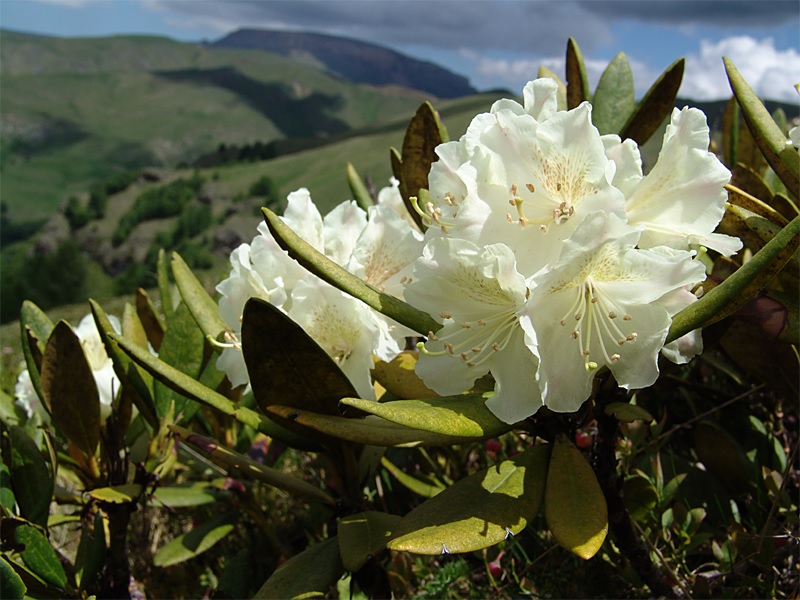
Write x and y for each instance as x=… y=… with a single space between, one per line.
x=771 y=72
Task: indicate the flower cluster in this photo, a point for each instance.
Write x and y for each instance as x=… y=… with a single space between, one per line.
x=378 y=245
x=550 y=255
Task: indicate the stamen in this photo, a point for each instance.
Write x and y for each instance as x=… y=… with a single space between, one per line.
x=530 y=187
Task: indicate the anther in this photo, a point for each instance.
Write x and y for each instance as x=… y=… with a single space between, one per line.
x=530 y=187
x=575 y=334
x=614 y=357
x=445 y=315
x=481 y=322
x=612 y=315
x=476 y=349
x=632 y=337
x=464 y=357
x=449 y=347
x=626 y=317
x=513 y=189
x=496 y=347
x=432 y=337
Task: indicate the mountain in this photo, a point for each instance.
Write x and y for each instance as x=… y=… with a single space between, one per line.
x=356 y=61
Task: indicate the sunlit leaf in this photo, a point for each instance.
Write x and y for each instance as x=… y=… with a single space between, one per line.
x=179 y=495
x=117 y=494
x=574 y=505
x=458 y=416
x=399 y=378
x=614 y=99
x=197 y=541
x=577 y=80
x=561 y=94
x=164 y=287
x=202 y=306
x=363 y=535
x=655 y=106
x=35 y=326
x=416 y=485
x=783 y=159
x=151 y=321
x=70 y=389
x=310 y=574
x=478 y=511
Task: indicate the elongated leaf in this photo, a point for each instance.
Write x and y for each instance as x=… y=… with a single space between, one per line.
x=337 y=276
x=36 y=326
x=91 y=553
x=416 y=485
x=357 y=188
x=286 y=366
x=457 y=416
x=186 y=494
x=656 y=105
x=11 y=585
x=614 y=99
x=182 y=348
x=577 y=80
x=117 y=494
x=197 y=541
x=784 y=160
x=574 y=505
x=37 y=554
x=310 y=574
x=742 y=286
x=363 y=536
x=741 y=198
x=202 y=306
x=164 y=287
x=70 y=390
x=247 y=467
x=133 y=378
x=151 y=321
x=7 y=498
x=480 y=510
x=187 y=386
x=627 y=412
x=31 y=478
x=722 y=456
x=372 y=431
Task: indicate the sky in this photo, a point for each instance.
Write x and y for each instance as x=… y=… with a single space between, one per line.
x=494 y=43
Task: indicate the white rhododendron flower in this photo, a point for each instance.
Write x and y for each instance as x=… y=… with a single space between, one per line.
x=598 y=307
x=378 y=246
x=682 y=199
x=25 y=397
x=477 y=293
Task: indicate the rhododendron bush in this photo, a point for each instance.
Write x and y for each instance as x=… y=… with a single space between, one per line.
x=540 y=344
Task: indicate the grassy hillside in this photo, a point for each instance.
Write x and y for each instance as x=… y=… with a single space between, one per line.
x=75 y=111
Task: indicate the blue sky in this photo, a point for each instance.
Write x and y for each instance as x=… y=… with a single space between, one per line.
x=495 y=43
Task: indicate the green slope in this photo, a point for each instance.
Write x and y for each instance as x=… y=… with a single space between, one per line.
x=75 y=111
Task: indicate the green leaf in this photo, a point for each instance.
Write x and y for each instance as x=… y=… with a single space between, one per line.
x=641 y=497
x=35 y=325
x=91 y=556
x=783 y=159
x=577 y=80
x=561 y=94
x=423 y=488
x=31 y=478
x=150 y=320
x=70 y=389
x=574 y=505
x=480 y=510
x=117 y=494
x=194 y=390
x=656 y=105
x=11 y=585
x=7 y=498
x=742 y=286
x=130 y=375
x=182 y=349
x=357 y=187
x=286 y=365
x=363 y=536
x=37 y=554
x=310 y=574
x=164 y=287
x=197 y=541
x=722 y=456
x=627 y=412
x=465 y=415
x=337 y=276
x=202 y=306
x=182 y=495
x=247 y=467
x=372 y=431
x=614 y=99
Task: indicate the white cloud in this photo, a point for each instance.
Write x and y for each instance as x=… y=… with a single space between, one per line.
x=772 y=73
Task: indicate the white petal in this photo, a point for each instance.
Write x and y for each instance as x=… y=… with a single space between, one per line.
x=541 y=98
x=302 y=216
x=341 y=228
x=231 y=362
x=517 y=395
x=627 y=161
